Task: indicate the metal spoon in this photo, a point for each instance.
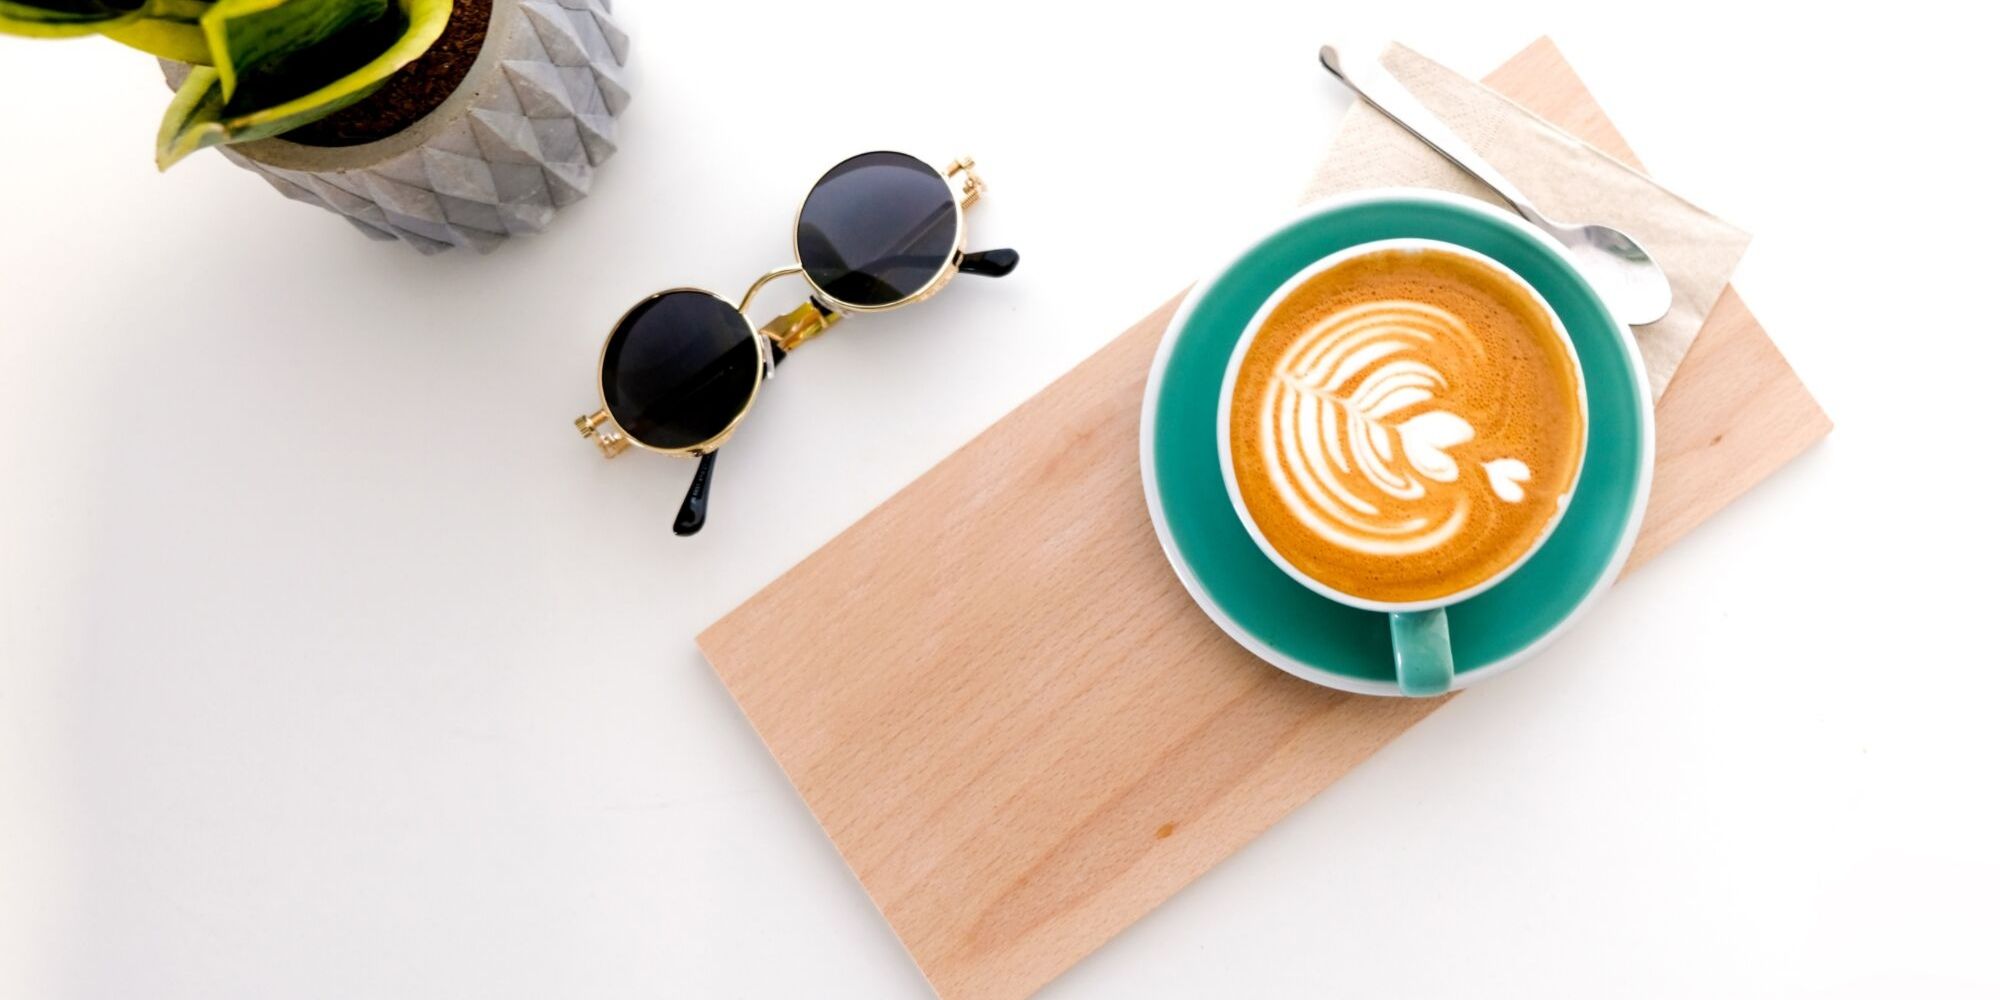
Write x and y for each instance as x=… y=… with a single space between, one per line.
x=1614 y=263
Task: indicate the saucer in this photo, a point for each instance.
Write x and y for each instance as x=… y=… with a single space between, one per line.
x=1299 y=631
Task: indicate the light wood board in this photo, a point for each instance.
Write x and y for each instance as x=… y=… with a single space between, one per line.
x=1022 y=734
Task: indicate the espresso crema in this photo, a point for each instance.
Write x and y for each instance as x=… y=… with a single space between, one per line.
x=1406 y=425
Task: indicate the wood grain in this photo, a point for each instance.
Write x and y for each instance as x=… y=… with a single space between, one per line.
x=1022 y=734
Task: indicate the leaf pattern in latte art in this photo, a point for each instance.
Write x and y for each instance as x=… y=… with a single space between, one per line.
x=1354 y=416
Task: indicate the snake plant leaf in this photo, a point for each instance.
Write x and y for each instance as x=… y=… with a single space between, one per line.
x=253 y=39
x=279 y=64
x=170 y=29
x=64 y=18
x=68 y=18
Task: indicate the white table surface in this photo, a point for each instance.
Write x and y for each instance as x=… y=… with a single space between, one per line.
x=332 y=664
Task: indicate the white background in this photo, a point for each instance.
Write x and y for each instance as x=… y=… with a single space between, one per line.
x=335 y=665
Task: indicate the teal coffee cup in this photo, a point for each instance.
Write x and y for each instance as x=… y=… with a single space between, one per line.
x=1419 y=631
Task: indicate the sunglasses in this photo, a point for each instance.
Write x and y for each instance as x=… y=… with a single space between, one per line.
x=681 y=369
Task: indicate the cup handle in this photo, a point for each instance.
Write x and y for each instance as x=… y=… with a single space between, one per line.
x=1423 y=652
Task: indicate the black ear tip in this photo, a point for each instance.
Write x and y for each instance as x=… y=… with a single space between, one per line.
x=990 y=263
x=694 y=510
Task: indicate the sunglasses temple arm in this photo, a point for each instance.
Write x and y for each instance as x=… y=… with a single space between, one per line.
x=989 y=263
x=694 y=509
x=788 y=332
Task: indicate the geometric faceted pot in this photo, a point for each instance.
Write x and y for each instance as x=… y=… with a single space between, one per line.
x=518 y=139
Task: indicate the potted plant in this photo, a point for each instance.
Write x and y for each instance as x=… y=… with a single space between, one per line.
x=437 y=122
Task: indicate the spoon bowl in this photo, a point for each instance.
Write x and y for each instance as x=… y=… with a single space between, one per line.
x=1614 y=263
x=1619 y=268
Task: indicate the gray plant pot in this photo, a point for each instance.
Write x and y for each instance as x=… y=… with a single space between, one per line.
x=520 y=138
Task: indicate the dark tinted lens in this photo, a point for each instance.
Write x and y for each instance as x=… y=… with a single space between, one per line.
x=877 y=228
x=679 y=368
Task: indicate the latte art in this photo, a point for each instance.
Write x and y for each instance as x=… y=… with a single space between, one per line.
x=1404 y=424
x=1354 y=409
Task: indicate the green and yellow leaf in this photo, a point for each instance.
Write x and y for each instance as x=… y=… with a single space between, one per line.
x=278 y=64
x=170 y=29
x=66 y=18
x=257 y=37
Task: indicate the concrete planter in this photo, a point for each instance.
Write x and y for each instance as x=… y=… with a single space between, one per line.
x=519 y=139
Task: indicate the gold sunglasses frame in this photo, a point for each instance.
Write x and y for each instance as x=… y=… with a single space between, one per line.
x=820 y=311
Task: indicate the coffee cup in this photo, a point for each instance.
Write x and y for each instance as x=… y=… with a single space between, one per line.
x=1401 y=426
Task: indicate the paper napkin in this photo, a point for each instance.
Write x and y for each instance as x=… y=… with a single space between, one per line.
x=1565 y=178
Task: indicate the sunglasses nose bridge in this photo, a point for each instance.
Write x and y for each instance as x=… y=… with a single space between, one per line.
x=790 y=330
x=743 y=304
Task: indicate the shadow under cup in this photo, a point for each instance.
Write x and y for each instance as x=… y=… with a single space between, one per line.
x=1419 y=630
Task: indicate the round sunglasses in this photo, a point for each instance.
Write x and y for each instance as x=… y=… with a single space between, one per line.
x=680 y=370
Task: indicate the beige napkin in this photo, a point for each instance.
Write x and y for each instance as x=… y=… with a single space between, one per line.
x=1565 y=178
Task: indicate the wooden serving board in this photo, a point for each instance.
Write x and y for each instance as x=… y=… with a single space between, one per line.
x=1022 y=741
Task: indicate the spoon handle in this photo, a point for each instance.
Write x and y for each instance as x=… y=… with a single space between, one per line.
x=1387 y=95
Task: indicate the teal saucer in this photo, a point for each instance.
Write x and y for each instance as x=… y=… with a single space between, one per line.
x=1299 y=631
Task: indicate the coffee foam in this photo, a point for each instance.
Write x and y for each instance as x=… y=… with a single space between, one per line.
x=1404 y=425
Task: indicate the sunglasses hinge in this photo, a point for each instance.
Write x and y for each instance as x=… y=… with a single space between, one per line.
x=611 y=443
x=972 y=187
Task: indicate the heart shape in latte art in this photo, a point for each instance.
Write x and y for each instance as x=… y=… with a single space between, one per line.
x=1506 y=476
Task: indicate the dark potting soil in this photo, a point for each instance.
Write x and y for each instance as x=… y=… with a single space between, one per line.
x=414 y=91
